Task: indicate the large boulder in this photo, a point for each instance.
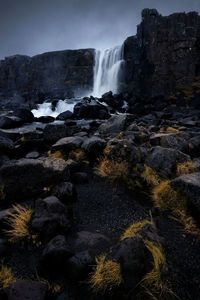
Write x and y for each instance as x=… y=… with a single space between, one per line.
x=54 y=132
x=6 y=145
x=169 y=140
x=115 y=124
x=66 y=192
x=68 y=143
x=164 y=160
x=65 y=115
x=90 y=110
x=24 y=114
x=26 y=178
x=94 y=146
x=27 y=290
x=189 y=185
x=7 y=122
x=51 y=217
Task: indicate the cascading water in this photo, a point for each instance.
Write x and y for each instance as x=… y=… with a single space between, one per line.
x=108 y=64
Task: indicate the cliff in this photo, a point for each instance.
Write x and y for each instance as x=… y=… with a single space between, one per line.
x=53 y=74
x=164 y=55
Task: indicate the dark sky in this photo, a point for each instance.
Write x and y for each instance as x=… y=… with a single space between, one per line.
x=35 y=26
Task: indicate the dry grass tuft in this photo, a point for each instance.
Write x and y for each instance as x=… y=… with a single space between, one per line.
x=106 y=276
x=6 y=277
x=78 y=155
x=172 y=129
x=113 y=170
x=166 y=199
x=133 y=230
x=153 y=283
x=19 y=221
x=56 y=154
x=186 y=167
x=150 y=176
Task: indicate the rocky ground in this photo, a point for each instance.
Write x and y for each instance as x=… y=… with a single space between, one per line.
x=79 y=182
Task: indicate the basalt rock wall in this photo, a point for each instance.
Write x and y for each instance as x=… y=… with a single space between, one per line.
x=54 y=74
x=163 y=55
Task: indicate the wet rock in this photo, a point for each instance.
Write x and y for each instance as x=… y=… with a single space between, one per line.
x=6 y=145
x=66 y=192
x=54 y=132
x=79 y=265
x=135 y=260
x=24 y=114
x=25 y=178
x=55 y=255
x=169 y=141
x=10 y=122
x=90 y=110
x=189 y=185
x=45 y=119
x=51 y=217
x=195 y=145
x=68 y=143
x=94 y=146
x=65 y=115
x=26 y=290
x=73 y=166
x=114 y=125
x=164 y=160
x=33 y=154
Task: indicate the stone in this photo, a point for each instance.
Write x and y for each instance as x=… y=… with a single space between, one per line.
x=55 y=254
x=66 y=192
x=6 y=145
x=189 y=185
x=45 y=119
x=33 y=154
x=79 y=265
x=24 y=114
x=114 y=125
x=54 y=132
x=94 y=146
x=7 y=122
x=26 y=290
x=80 y=177
x=90 y=110
x=68 y=143
x=65 y=115
x=51 y=217
x=169 y=141
x=26 y=178
x=164 y=160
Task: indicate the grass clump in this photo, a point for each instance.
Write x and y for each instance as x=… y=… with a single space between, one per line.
x=186 y=167
x=113 y=170
x=19 y=221
x=6 y=277
x=106 y=276
x=150 y=176
x=78 y=155
x=132 y=231
x=166 y=199
x=56 y=154
x=172 y=129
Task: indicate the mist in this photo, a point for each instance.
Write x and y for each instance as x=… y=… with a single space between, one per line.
x=33 y=27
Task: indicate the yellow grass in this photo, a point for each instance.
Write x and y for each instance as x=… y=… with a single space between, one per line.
x=133 y=230
x=78 y=155
x=167 y=199
x=172 y=129
x=56 y=154
x=186 y=167
x=19 y=221
x=6 y=277
x=112 y=169
x=150 y=176
x=106 y=276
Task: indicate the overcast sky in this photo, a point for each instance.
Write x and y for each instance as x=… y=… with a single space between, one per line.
x=35 y=26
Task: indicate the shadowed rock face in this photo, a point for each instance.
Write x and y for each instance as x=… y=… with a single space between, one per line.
x=164 y=53
x=53 y=74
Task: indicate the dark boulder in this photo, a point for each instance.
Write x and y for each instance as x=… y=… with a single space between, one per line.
x=54 y=132
x=115 y=125
x=51 y=218
x=6 y=145
x=66 y=192
x=80 y=178
x=94 y=146
x=24 y=114
x=68 y=143
x=169 y=140
x=7 y=122
x=90 y=110
x=79 y=265
x=45 y=119
x=65 y=115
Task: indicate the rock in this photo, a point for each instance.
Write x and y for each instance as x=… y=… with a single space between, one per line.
x=54 y=132
x=80 y=177
x=68 y=143
x=90 y=110
x=3 y=215
x=3 y=247
x=55 y=254
x=24 y=114
x=66 y=192
x=95 y=242
x=73 y=166
x=10 y=122
x=6 y=145
x=164 y=160
x=26 y=290
x=33 y=154
x=169 y=141
x=194 y=144
x=79 y=265
x=135 y=260
x=65 y=115
x=51 y=218
x=94 y=146
x=189 y=185
x=26 y=178
x=45 y=119
x=114 y=125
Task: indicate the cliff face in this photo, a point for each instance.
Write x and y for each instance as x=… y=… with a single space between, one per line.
x=164 y=54
x=53 y=74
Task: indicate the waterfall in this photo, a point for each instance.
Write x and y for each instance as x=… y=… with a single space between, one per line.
x=107 y=68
